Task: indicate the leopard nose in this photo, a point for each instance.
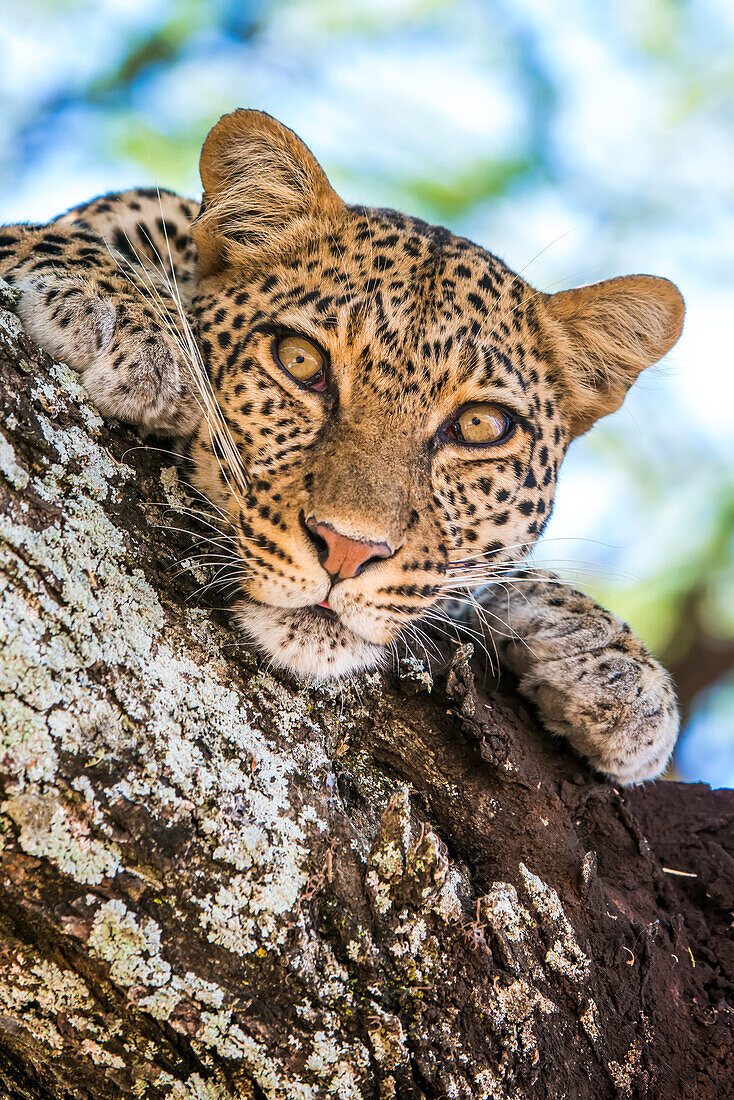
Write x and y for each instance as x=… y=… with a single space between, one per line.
x=343 y=557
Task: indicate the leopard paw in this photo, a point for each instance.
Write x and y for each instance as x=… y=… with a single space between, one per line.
x=133 y=368
x=591 y=679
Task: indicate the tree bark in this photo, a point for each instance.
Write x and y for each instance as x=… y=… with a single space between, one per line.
x=218 y=883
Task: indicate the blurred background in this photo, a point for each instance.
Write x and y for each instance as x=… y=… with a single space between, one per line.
x=576 y=141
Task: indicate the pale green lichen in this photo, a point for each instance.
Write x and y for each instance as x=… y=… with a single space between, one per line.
x=100 y=1056
x=11 y=329
x=176 y=679
x=131 y=948
x=194 y=1087
x=40 y=995
x=512 y=924
x=626 y=1074
x=95 y=470
x=174 y=491
x=51 y=639
x=589 y=1020
x=414 y=675
x=26 y=737
x=388 y=1040
x=48 y=828
x=389 y=851
x=420 y=865
x=243 y=913
x=69 y=389
x=343 y=1074
x=16 y=474
x=448 y=902
x=163 y=1000
x=565 y=955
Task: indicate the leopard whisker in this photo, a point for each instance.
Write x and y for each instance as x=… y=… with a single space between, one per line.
x=199 y=376
x=189 y=349
x=459 y=584
x=419 y=641
x=193 y=561
x=485 y=629
x=490 y=553
x=187 y=562
x=195 y=536
x=458 y=629
x=219 y=432
x=210 y=503
x=539 y=569
x=222 y=553
x=510 y=585
x=531 y=261
x=221 y=583
x=436 y=615
x=481 y=612
x=423 y=639
x=189 y=491
x=150 y=447
x=221 y=536
x=530 y=563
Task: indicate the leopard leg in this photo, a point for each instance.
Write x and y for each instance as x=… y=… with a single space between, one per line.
x=590 y=677
x=113 y=319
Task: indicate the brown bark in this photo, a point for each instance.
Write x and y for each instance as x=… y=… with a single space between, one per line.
x=216 y=883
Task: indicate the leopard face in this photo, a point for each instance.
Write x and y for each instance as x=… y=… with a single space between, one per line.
x=396 y=402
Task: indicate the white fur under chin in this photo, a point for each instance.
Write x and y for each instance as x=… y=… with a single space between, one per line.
x=303 y=642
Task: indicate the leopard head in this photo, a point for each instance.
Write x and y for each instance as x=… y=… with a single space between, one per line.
x=393 y=401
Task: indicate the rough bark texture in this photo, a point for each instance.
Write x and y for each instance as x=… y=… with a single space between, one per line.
x=215 y=883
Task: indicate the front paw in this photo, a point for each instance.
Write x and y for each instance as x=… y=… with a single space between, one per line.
x=134 y=368
x=620 y=712
x=591 y=679
x=68 y=318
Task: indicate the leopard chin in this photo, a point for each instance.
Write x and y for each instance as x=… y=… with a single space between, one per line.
x=303 y=642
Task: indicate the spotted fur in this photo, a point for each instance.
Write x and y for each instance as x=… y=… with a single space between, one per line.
x=416 y=323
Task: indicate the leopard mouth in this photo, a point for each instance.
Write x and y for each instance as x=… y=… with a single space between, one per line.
x=312 y=641
x=323 y=610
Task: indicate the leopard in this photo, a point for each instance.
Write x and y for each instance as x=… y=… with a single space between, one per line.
x=375 y=411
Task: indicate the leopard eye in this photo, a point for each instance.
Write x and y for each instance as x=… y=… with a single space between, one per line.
x=480 y=425
x=303 y=360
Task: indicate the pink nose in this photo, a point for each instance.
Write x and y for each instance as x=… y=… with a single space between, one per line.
x=341 y=556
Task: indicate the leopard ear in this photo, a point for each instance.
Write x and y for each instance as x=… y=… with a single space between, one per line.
x=264 y=192
x=605 y=334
